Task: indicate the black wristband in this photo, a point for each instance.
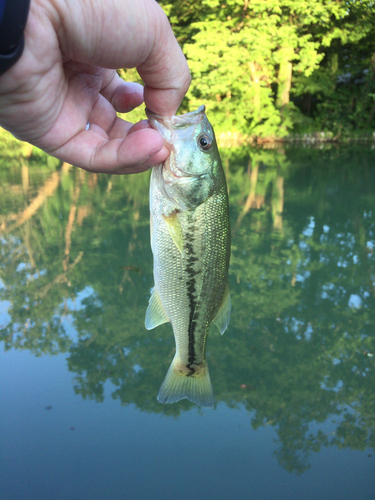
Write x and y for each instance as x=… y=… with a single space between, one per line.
x=11 y=32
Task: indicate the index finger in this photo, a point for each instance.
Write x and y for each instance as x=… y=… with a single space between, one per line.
x=165 y=72
x=128 y=34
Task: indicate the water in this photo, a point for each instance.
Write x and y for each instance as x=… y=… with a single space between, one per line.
x=293 y=375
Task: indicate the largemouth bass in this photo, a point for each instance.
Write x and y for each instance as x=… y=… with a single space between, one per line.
x=190 y=241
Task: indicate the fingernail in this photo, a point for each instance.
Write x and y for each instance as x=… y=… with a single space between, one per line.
x=153 y=152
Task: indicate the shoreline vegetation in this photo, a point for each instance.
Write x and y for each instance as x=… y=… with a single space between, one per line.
x=12 y=147
x=236 y=139
x=279 y=70
x=300 y=72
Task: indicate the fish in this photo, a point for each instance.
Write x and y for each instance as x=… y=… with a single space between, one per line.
x=190 y=242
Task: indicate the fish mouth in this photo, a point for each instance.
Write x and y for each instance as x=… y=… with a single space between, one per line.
x=166 y=124
x=184 y=178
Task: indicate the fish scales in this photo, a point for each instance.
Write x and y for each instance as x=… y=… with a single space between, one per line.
x=190 y=239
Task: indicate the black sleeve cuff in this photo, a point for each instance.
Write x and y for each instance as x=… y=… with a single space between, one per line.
x=11 y=32
x=7 y=60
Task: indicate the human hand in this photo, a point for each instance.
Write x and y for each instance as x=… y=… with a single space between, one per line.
x=62 y=82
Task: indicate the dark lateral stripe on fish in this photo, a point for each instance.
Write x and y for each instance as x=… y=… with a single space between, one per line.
x=191 y=293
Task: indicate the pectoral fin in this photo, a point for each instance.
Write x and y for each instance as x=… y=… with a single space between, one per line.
x=175 y=231
x=155 y=314
x=222 y=317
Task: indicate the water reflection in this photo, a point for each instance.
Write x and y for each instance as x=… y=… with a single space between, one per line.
x=299 y=349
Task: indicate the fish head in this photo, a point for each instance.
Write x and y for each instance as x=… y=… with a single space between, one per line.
x=189 y=175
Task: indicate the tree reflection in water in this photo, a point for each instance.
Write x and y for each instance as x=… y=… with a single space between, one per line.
x=299 y=348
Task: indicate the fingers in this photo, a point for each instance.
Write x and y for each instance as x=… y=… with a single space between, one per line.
x=124 y=96
x=72 y=48
x=127 y=96
x=91 y=150
x=165 y=72
x=111 y=145
x=128 y=34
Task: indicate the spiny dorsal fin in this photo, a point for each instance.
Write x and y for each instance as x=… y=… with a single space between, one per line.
x=222 y=317
x=155 y=314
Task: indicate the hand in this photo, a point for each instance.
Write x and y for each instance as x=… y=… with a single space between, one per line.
x=66 y=79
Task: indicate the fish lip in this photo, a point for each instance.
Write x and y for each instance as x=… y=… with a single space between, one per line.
x=185 y=177
x=156 y=120
x=169 y=123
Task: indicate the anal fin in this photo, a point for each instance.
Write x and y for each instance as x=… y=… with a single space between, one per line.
x=155 y=314
x=222 y=317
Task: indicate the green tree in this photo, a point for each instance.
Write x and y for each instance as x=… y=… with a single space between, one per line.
x=262 y=67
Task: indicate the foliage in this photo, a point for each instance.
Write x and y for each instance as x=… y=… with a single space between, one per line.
x=269 y=69
x=11 y=147
x=264 y=68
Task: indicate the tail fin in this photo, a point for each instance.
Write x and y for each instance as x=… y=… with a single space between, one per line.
x=178 y=385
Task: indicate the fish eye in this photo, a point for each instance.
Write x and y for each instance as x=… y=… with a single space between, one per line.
x=205 y=142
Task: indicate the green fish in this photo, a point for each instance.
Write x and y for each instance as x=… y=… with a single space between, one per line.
x=190 y=241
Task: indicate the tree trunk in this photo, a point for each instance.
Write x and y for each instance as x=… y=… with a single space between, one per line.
x=285 y=77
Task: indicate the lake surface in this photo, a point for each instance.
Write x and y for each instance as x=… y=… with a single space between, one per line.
x=293 y=376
